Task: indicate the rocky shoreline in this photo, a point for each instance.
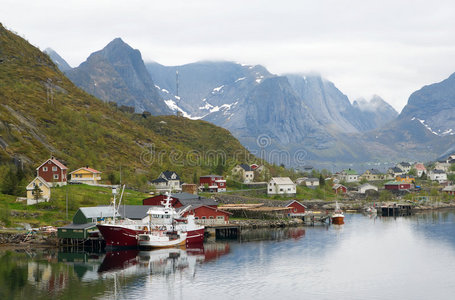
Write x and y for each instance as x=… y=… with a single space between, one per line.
x=27 y=240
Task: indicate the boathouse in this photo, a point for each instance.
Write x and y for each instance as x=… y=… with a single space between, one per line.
x=208 y=215
x=180 y=199
x=397 y=186
x=297 y=208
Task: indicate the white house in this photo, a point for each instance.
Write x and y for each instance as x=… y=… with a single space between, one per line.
x=168 y=181
x=365 y=187
x=349 y=175
x=312 y=182
x=420 y=168
x=281 y=186
x=405 y=166
x=438 y=175
x=441 y=165
x=245 y=171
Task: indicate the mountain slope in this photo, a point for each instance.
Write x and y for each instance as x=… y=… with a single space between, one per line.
x=117 y=74
x=373 y=114
x=43 y=113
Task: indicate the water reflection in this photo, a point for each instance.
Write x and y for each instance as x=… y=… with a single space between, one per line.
x=367 y=258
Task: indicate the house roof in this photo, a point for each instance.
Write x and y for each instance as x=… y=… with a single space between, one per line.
x=337 y=186
x=97 y=211
x=88 y=170
x=282 y=180
x=30 y=185
x=404 y=164
x=395 y=183
x=367 y=185
x=437 y=171
x=246 y=167
x=374 y=171
x=419 y=166
x=168 y=174
x=158 y=180
x=396 y=170
x=312 y=179
x=350 y=172
x=56 y=162
x=292 y=201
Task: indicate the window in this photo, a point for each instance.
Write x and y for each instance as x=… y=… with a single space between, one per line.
x=55 y=176
x=44 y=169
x=289 y=189
x=281 y=190
x=196 y=218
x=270 y=190
x=54 y=169
x=203 y=218
x=211 y=217
x=220 y=217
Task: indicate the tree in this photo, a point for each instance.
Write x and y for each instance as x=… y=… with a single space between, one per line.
x=412 y=172
x=423 y=176
x=321 y=180
x=37 y=193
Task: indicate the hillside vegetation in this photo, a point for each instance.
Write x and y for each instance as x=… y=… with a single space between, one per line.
x=42 y=114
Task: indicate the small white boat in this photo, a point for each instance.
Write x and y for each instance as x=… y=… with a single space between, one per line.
x=161 y=239
x=371 y=210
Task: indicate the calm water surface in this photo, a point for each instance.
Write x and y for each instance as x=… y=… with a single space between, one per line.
x=367 y=258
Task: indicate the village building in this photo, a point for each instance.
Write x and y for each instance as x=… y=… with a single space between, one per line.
x=339 y=188
x=312 y=182
x=450 y=189
x=405 y=178
x=179 y=200
x=167 y=181
x=420 y=169
x=372 y=175
x=301 y=180
x=405 y=166
x=208 y=215
x=53 y=172
x=244 y=171
x=190 y=188
x=349 y=175
x=366 y=187
x=397 y=186
x=394 y=172
x=297 y=208
x=442 y=166
x=44 y=193
x=212 y=183
x=86 y=175
x=281 y=186
x=438 y=175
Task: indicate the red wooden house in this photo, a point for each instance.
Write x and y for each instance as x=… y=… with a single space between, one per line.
x=397 y=186
x=339 y=189
x=181 y=199
x=297 y=208
x=53 y=172
x=208 y=215
x=212 y=183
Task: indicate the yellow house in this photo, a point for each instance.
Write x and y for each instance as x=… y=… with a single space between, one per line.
x=405 y=179
x=86 y=175
x=43 y=186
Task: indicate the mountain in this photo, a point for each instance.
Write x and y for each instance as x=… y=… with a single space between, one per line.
x=434 y=107
x=372 y=114
x=117 y=74
x=58 y=60
x=42 y=113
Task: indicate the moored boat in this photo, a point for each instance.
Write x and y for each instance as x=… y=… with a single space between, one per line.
x=125 y=232
x=161 y=239
x=337 y=216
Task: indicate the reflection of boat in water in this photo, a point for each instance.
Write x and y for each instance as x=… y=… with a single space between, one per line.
x=337 y=216
x=161 y=261
x=161 y=239
x=371 y=210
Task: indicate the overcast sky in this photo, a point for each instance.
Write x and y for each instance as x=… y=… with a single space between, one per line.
x=388 y=48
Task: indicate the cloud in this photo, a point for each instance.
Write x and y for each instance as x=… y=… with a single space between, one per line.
x=389 y=48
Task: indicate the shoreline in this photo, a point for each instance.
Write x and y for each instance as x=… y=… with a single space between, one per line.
x=10 y=240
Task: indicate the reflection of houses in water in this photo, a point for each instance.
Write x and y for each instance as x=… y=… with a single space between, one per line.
x=40 y=275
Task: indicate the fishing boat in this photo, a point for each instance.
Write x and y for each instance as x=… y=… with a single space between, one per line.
x=337 y=216
x=161 y=239
x=123 y=232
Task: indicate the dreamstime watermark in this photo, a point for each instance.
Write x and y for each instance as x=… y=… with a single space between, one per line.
x=263 y=149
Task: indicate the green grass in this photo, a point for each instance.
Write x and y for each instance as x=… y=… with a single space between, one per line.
x=54 y=212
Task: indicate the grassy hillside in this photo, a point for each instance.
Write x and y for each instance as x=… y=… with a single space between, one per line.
x=42 y=114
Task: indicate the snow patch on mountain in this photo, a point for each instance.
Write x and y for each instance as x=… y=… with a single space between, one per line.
x=217 y=89
x=439 y=132
x=174 y=107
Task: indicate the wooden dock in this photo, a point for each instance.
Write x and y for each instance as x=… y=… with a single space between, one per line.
x=396 y=210
x=227 y=231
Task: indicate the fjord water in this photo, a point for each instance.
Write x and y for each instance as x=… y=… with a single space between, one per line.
x=367 y=258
